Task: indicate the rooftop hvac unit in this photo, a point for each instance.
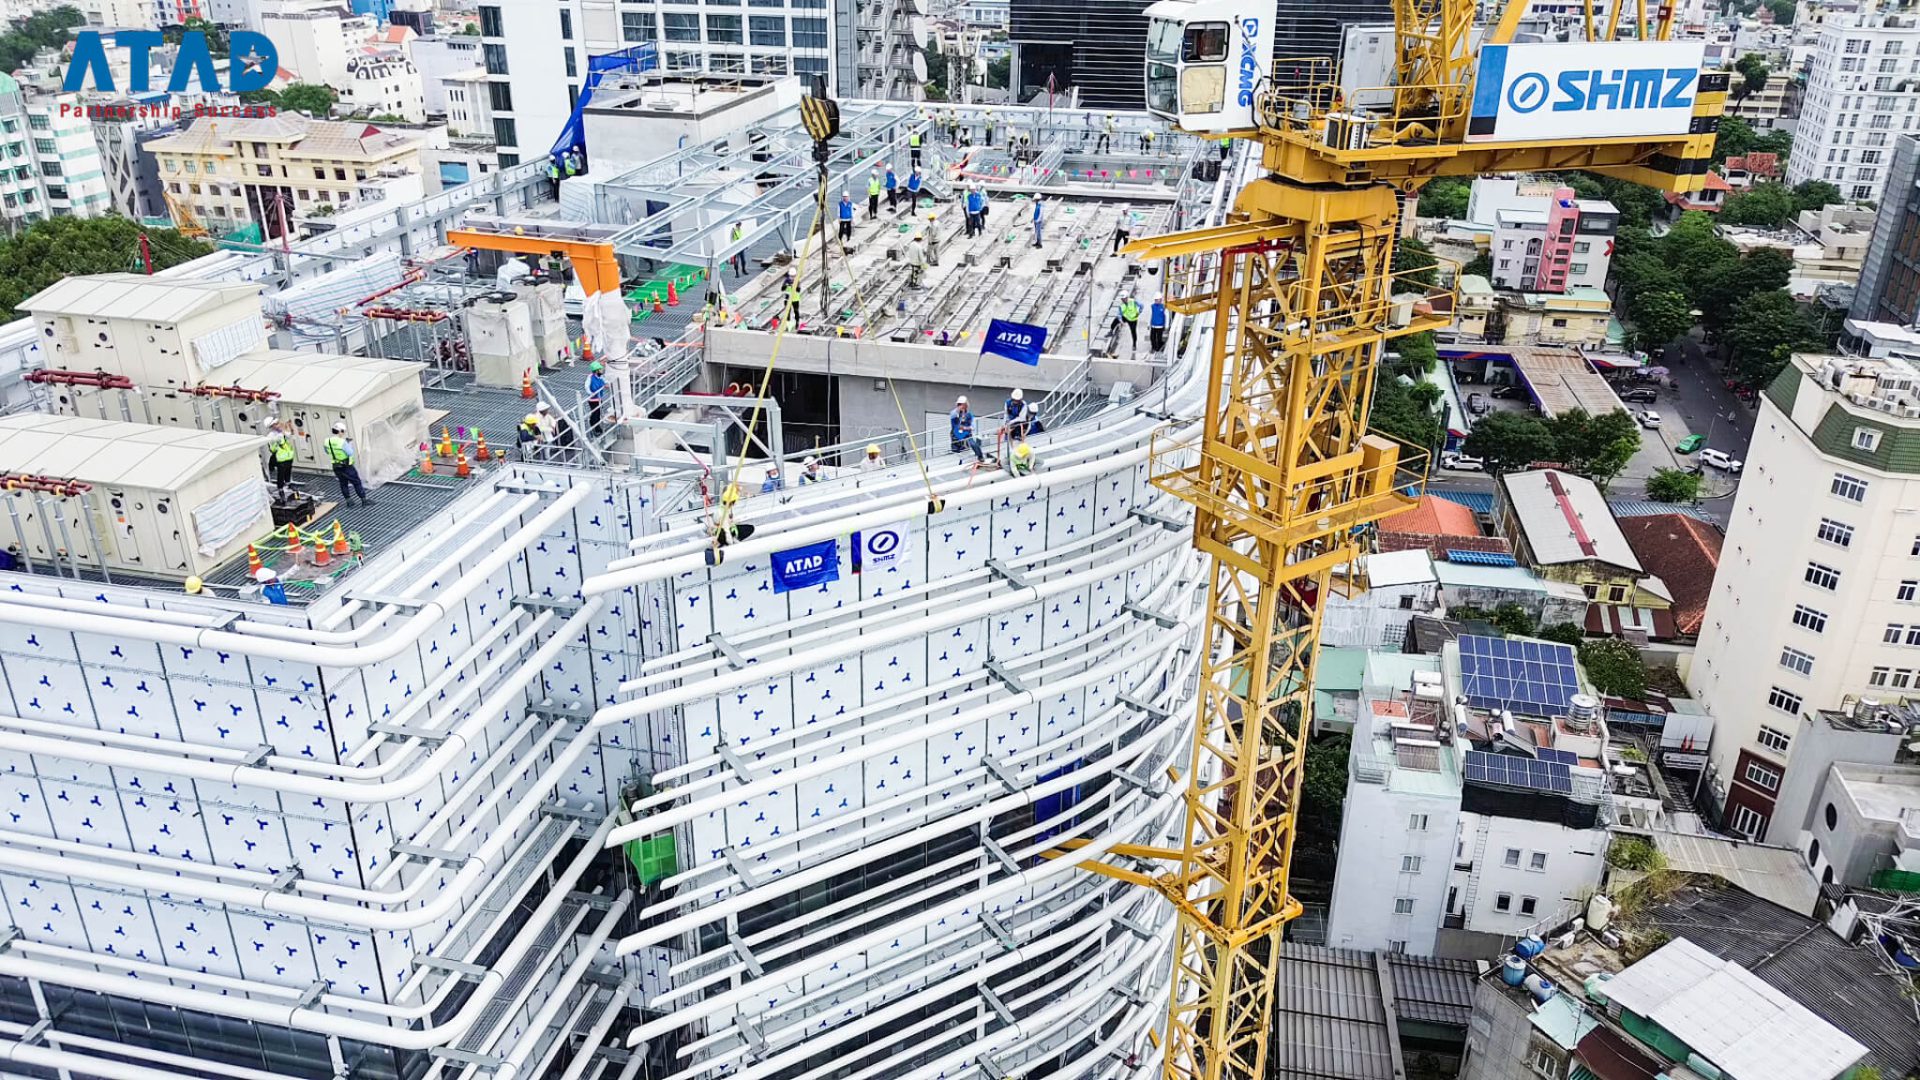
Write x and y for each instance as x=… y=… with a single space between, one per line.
x=1911 y=411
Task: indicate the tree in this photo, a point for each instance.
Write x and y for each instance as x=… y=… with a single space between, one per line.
x=1323 y=792
x=47 y=251
x=1753 y=74
x=1766 y=206
x=1413 y=262
x=1513 y=620
x=1445 y=198
x=216 y=36
x=1814 y=195
x=1673 y=486
x=1783 y=11
x=471 y=29
x=313 y=99
x=1507 y=441
x=1417 y=354
x=1734 y=139
x=1659 y=317
x=1565 y=633
x=1766 y=329
x=1000 y=72
x=1401 y=413
x=1596 y=447
x=1614 y=667
x=1721 y=288
x=1480 y=265
x=35 y=32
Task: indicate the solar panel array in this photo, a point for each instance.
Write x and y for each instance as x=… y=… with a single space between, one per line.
x=1509 y=771
x=1564 y=757
x=1533 y=678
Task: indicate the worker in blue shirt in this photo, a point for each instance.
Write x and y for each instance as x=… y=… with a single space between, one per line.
x=1039 y=202
x=960 y=428
x=976 y=202
x=772 y=482
x=1157 y=324
x=893 y=188
x=913 y=188
x=596 y=393
x=271 y=590
x=846 y=217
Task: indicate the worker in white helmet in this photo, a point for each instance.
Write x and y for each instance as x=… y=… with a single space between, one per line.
x=810 y=471
x=960 y=428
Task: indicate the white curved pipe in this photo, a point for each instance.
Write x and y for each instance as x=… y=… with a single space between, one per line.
x=308 y=1019
x=58 y=1041
x=431 y=614
x=598 y=1033
x=588 y=955
x=376 y=576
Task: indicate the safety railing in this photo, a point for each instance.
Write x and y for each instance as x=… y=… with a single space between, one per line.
x=1320 y=112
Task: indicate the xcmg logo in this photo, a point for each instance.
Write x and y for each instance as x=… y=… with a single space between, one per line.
x=251 y=65
x=1594 y=89
x=1249 y=59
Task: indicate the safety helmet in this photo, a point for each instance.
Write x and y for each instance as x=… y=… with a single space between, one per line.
x=1023 y=450
x=264 y=575
x=339 y=427
x=544 y=408
x=1018 y=394
x=961 y=400
x=596 y=366
x=873 y=449
x=811 y=461
x=773 y=470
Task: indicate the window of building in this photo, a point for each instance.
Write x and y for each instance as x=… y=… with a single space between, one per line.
x=573 y=63
x=566 y=25
x=1582 y=247
x=1891 y=635
x=1403 y=905
x=1785 y=701
x=1774 y=740
x=1409 y=864
x=1832 y=817
x=1416 y=823
x=1512 y=857
x=490 y=22
x=1395 y=946
x=1861 y=193
x=39 y=122
x=767 y=29
x=1879 y=676
x=504 y=133
x=1747 y=822
x=1560 y=323
x=1616 y=594
x=809 y=33
x=1796 y=661
x=724 y=29
x=1907 y=590
x=682 y=26
x=500 y=96
x=1577 y=268
x=1761 y=776
x=1837 y=533
x=1823 y=576
x=1538 y=861
x=638 y=26
x=1866 y=438
x=1529 y=904
x=339 y=174
x=1543 y=1060
x=1503 y=902
x=1808 y=619
x=1849 y=487
x=495 y=58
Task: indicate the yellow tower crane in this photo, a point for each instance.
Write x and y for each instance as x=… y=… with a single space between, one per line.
x=1285 y=475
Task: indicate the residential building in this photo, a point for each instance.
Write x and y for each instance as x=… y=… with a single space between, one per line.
x=1862 y=94
x=1436 y=525
x=438 y=58
x=1817 y=600
x=990 y=14
x=1867 y=733
x=1558 y=246
x=1561 y=526
x=1393 y=587
x=1828 y=246
x=384 y=86
x=1473 y=308
x=312 y=43
x=890 y=64
x=133 y=181
x=468 y=103
x=1708 y=200
x=1483 y=588
x=1743 y=171
x=1773 y=107
x=21 y=199
x=270 y=170
x=1683 y=552
x=1388 y=1014
x=66 y=160
x=1865 y=827
x=1578 y=318
x=1889 y=290
x=118 y=14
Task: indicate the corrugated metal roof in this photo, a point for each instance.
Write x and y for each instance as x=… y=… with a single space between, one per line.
x=114 y=454
x=1330 y=1021
x=1732 y=1017
x=1431 y=989
x=132 y=296
x=1566 y=519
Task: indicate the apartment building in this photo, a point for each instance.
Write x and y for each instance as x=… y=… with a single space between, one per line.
x=270 y=170
x=383 y=85
x=1863 y=92
x=1817 y=598
x=1828 y=245
x=1554 y=244
x=1889 y=287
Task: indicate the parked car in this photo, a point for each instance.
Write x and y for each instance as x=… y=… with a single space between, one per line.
x=1649 y=419
x=1453 y=459
x=1720 y=459
x=1639 y=395
x=1508 y=390
x=1689 y=444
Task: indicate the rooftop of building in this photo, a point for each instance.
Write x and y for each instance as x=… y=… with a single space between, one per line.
x=1683 y=553
x=1336 y=1010
x=1566 y=519
x=1434 y=516
x=299 y=134
x=1885 y=793
x=1796 y=971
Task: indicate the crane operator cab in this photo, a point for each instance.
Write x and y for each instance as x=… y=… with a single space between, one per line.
x=1208 y=61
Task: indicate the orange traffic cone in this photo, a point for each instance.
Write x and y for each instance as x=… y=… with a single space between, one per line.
x=253 y=560
x=673 y=295
x=483 y=453
x=526 y=384
x=658 y=308
x=426 y=461
x=446 y=441
x=586 y=352
x=321 y=556
x=460 y=466
x=293 y=542
x=339 y=539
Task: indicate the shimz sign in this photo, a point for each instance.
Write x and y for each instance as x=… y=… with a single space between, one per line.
x=1523 y=93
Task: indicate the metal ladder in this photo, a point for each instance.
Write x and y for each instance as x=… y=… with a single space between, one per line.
x=1473 y=875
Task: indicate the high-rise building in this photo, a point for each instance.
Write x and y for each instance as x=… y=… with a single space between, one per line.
x=1863 y=92
x=1817 y=598
x=1889 y=289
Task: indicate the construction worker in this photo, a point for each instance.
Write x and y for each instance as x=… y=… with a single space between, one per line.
x=345 y=460
x=1106 y=136
x=1130 y=314
x=873 y=462
x=791 y=290
x=916 y=261
x=960 y=430
x=553 y=177
x=280 y=452
x=549 y=424
x=1146 y=141
x=271 y=590
x=1039 y=218
x=846 y=217
x=893 y=189
x=913 y=147
x=976 y=208
x=933 y=238
x=1016 y=413
x=1124 y=231
x=1157 y=324
x=527 y=436
x=873 y=194
x=810 y=471
x=1021 y=462
x=772 y=483
x=570 y=163
x=1226 y=147
x=913 y=189
x=597 y=391
x=739 y=259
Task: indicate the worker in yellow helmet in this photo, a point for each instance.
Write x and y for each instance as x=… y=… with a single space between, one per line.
x=873 y=462
x=1021 y=462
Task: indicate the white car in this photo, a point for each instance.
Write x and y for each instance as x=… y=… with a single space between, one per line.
x=1649 y=419
x=1720 y=459
x=1452 y=459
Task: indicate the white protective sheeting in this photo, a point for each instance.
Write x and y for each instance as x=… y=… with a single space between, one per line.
x=218 y=520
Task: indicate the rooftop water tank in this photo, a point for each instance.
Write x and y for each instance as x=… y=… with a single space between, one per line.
x=1539 y=988
x=1514 y=971
x=1583 y=712
x=1529 y=947
x=1599 y=912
